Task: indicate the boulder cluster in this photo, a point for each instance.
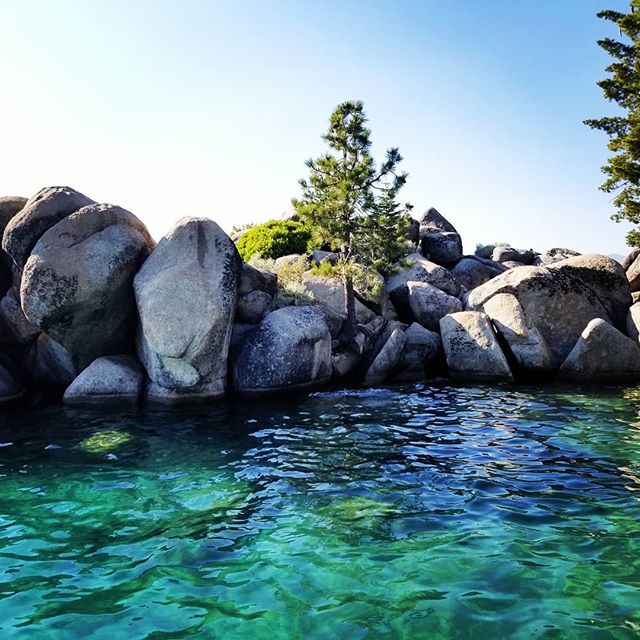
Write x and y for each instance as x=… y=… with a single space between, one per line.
x=93 y=310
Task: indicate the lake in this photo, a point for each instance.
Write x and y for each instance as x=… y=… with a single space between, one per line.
x=415 y=511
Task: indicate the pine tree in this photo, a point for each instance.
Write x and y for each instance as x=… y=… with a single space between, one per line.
x=623 y=87
x=349 y=202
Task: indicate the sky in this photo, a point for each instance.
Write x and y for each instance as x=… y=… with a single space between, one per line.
x=203 y=108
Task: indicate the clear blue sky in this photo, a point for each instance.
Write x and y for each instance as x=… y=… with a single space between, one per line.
x=204 y=108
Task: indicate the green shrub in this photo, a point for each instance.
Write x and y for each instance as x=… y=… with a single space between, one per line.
x=274 y=239
x=291 y=289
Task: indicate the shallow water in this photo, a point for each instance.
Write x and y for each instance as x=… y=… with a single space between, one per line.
x=409 y=512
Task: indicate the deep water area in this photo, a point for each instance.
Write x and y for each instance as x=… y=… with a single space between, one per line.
x=416 y=511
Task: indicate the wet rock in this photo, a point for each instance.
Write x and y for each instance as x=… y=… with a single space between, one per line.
x=77 y=283
x=471 y=348
x=429 y=304
x=108 y=380
x=522 y=339
x=602 y=353
x=41 y=212
x=419 y=270
x=290 y=349
x=186 y=293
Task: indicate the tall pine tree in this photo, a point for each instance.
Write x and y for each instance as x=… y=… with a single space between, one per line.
x=623 y=87
x=350 y=203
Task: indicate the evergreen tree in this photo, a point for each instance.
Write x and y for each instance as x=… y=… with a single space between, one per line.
x=623 y=87
x=349 y=202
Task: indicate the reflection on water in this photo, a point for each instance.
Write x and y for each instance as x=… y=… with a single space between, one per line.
x=409 y=512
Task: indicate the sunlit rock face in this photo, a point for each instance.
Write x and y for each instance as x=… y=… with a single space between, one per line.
x=186 y=293
x=562 y=299
x=77 y=285
x=290 y=348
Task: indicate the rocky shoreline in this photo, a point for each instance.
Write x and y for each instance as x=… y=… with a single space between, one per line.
x=93 y=311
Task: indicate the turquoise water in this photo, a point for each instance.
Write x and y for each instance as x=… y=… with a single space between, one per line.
x=410 y=512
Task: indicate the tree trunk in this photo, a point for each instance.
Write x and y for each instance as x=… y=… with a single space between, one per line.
x=350 y=324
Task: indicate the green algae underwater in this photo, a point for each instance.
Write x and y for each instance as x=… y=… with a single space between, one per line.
x=404 y=512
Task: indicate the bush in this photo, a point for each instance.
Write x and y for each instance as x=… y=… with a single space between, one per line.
x=274 y=239
x=291 y=289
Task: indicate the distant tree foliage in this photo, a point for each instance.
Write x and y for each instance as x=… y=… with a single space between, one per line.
x=623 y=87
x=274 y=239
x=350 y=203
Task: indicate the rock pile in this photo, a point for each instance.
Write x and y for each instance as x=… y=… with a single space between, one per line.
x=93 y=310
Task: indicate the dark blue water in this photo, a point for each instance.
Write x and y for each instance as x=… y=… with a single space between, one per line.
x=412 y=512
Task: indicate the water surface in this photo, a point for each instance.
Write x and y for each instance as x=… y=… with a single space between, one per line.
x=408 y=512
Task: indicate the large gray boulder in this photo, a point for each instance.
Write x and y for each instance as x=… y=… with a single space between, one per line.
x=556 y=254
x=420 y=354
x=602 y=353
x=510 y=254
x=522 y=339
x=40 y=213
x=442 y=247
x=77 y=283
x=10 y=389
x=472 y=271
x=328 y=294
x=561 y=301
x=186 y=293
x=290 y=349
x=419 y=270
x=471 y=348
x=429 y=304
x=630 y=258
x=387 y=359
x=432 y=220
x=108 y=380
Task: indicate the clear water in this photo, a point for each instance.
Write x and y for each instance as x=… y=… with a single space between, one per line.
x=414 y=512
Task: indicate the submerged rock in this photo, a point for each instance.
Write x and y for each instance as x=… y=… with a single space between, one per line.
x=186 y=293
x=602 y=353
x=290 y=349
x=471 y=348
x=107 y=380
